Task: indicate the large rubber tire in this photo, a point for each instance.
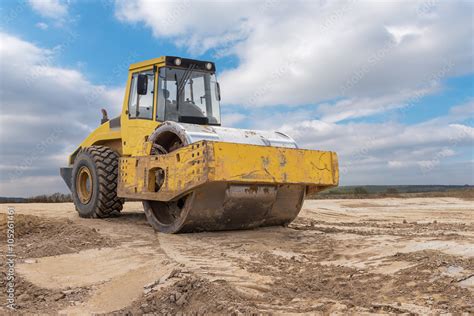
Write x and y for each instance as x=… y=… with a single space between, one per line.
x=100 y=164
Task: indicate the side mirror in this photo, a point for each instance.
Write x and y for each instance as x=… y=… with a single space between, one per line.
x=142 y=84
x=218 y=91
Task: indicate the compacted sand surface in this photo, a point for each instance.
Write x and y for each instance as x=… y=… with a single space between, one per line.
x=413 y=255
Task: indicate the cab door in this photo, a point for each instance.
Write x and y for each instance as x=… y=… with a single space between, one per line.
x=138 y=118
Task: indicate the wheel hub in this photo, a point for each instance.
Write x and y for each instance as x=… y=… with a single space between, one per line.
x=84 y=185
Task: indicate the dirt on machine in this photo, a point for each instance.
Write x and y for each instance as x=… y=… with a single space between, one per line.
x=168 y=149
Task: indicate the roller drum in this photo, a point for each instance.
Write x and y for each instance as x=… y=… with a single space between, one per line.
x=224 y=206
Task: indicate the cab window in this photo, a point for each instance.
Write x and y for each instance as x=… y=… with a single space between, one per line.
x=144 y=102
x=188 y=96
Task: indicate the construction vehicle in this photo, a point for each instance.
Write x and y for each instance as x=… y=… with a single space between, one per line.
x=167 y=149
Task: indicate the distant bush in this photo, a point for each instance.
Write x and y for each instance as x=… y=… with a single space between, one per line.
x=53 y=198
x=391 y=191
x=360 y=191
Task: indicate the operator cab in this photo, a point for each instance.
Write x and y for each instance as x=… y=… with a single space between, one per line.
x=187 y=92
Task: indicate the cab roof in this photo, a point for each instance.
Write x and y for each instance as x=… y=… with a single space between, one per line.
x=170 y=61
x=149 y=62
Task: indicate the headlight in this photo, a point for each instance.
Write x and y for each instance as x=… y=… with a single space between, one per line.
x=177 y=61
x=208 y=66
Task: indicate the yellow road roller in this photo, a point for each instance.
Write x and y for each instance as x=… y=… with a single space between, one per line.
x=168 y=149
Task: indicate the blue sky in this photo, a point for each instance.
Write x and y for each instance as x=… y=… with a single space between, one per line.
x=388 y=85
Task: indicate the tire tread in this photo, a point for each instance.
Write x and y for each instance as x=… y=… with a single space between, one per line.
x=106 y=161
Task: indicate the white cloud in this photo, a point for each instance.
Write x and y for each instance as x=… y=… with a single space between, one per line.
x=397 y=164
x=362 y=107
x=401 y=33
x=304 y=52
x=54 y=9
x=42 y=25
x=463 y=111
x=232 y=119
x=45 y=113
x=198 y=25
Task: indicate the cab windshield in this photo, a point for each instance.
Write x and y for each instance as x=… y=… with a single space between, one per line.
x=188 y=96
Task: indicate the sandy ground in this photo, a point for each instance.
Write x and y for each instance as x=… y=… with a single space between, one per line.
x=339 y=256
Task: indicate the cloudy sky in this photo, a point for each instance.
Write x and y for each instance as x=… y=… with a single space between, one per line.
x=389 y=85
